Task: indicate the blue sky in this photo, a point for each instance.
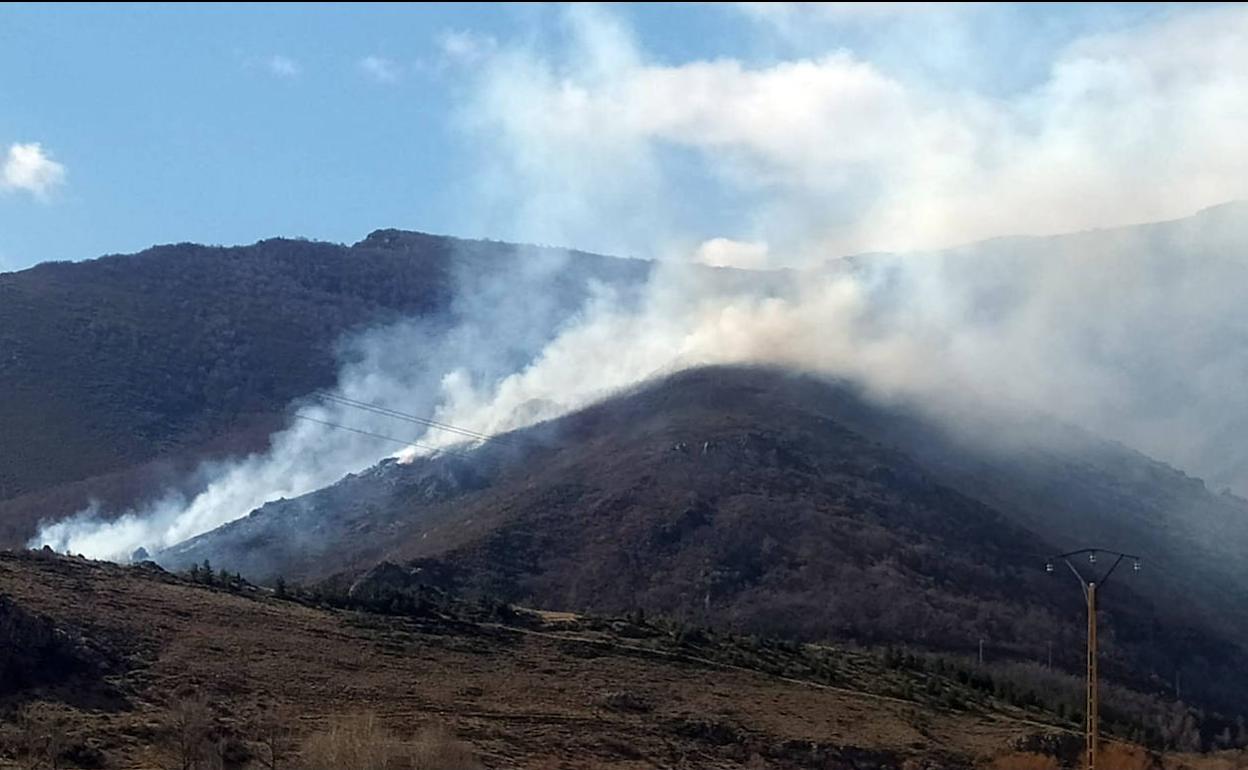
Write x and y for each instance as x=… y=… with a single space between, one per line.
x=227 y=124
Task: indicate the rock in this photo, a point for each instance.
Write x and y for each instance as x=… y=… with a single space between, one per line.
x=34 y=650
x=383 y=580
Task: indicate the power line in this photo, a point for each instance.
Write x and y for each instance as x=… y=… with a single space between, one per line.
x=381 y=436
x=406 y=416
x=334 y=398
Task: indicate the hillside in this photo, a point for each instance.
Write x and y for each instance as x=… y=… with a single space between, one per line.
x=137 y=645
x=119 y=374
x=760 y=501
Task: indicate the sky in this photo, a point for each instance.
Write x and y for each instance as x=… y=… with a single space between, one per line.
x=749 y=134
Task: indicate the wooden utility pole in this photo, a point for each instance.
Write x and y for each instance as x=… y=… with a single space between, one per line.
x=1092 y=728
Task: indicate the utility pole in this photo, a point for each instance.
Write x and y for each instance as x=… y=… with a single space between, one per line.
x=1091 y=586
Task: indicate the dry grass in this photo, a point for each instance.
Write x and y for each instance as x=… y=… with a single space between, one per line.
x=361 y=742
x=1024 y=760
x=277 y=672
x=436 y=748
x=1226 y=760
x=1120 y=756
x=353 y=742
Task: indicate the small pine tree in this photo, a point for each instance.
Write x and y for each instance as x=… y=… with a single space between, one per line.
x=279 y=587
x=194 y=573
x=206 y=569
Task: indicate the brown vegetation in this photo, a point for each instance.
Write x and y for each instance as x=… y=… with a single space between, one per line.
x=515 y=697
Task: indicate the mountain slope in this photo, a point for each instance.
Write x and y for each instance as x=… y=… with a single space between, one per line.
x=749 y=498
x=118 y=375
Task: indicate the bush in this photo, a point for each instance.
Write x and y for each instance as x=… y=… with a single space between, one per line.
x=627 y=700
x=354 y=742
x=189 y=725
x=437 y=748
x=361 y=742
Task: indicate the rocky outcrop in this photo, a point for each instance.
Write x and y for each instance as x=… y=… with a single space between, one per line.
x=35 y=651
x=388 y=580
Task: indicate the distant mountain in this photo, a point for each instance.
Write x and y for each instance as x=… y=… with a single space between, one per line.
x=776 y=503
x=119 y=375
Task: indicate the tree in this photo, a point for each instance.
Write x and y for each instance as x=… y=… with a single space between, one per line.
x=275 y=733
x=42 y=737
x=189 y=726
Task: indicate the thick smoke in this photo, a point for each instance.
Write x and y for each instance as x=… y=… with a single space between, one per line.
x=1137 y=333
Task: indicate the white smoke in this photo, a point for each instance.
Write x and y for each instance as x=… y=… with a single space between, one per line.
x=1131 y=333
x=1136 y=333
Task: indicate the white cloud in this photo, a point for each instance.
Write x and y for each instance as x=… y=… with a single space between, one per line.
x=836 y=156
x=801 y=13
x=465 y=47
x=380 y=69
x=29 y=169
x=283 y=66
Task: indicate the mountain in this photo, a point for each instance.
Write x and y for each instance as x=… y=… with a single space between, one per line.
x=770 y=502
x=747 y=499
x=119 y=375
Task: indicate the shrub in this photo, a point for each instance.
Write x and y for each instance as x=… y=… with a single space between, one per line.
x=353 y=742
x=189 y=724
x=436 y=748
